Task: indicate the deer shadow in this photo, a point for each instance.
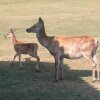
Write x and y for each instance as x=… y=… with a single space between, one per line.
x=41 y=84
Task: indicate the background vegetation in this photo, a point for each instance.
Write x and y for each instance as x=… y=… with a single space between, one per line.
x=61 y=17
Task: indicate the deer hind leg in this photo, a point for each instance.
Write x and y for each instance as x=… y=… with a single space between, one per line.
x=12 y=64
x=93 y=63
x=61 y=68
x=97 y=67
x=37 y=60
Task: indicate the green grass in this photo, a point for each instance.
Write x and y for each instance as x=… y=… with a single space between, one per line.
x=61 y=17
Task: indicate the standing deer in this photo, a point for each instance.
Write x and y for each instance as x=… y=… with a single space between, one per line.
x=23 y=48
x=68 y=47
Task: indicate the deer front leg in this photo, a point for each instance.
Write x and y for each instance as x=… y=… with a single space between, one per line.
x=14 y=59
x=37 y=63
x=61 y=69
x=20 y=61
x=56 y=67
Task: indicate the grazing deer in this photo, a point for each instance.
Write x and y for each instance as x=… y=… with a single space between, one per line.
x=68 y=47
x=23 y=48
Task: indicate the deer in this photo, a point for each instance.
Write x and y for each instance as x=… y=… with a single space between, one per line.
x=69 y=47
x=23 y=48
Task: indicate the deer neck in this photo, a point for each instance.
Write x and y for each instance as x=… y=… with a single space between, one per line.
x=43 y=39
x=13 y=38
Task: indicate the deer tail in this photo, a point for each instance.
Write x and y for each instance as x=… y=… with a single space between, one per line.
x=98 y=41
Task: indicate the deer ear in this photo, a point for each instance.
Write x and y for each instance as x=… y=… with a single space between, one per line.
x=11 y=30
x=40 y=19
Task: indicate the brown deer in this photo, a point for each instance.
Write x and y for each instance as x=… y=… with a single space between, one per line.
x=68 y=47
x=23 y=48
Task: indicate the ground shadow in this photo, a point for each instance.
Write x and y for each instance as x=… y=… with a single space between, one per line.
x=26 y=84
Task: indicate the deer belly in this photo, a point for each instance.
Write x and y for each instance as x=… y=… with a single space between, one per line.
x=22 y=49
x=73 y=54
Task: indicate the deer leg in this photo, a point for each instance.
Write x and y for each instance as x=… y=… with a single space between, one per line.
x=61 y=69
x=94 y=72
x=56 y=67
x=93 y=63
x=38 y=60
x=20 y=61
x=37 y=63
x=97 y=67
x=14 y=59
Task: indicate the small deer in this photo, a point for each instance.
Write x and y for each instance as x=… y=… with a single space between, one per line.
x=23 y=48
x=68 y=47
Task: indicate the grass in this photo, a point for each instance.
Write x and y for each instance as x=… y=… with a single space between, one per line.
x=61 y=17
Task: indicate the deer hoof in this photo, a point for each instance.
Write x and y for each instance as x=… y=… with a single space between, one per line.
x=12 y=64
x=94 y=80
x=55 y=80
x=37 y=71
x=61 y=79
x=20 y=68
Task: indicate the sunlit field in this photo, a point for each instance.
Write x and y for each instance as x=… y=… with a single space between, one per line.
x=61 y=18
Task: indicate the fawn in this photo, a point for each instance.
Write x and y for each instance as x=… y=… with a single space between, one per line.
x=23 y=48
